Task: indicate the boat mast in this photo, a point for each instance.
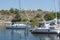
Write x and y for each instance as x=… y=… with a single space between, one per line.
x=59 y=5
x=59 y=9
x=20 y=13
x=19 y=4
x=55 y=11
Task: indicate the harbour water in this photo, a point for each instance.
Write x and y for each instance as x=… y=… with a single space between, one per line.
x=23 y=34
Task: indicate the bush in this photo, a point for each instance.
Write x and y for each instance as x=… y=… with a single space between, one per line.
x=24 y=19
x=35 y=22
x=49 y=16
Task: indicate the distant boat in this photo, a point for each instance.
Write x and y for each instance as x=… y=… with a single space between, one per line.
x=17 y=26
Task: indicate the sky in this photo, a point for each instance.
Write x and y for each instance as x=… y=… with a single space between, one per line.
x=46 y=5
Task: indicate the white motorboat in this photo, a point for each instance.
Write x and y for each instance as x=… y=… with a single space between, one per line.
x=17 y=26
x=47 y=29
x=51 y=30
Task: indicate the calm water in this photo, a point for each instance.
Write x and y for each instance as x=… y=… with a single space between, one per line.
x=10 y=34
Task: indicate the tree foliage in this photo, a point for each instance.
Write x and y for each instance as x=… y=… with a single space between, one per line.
x=38 y=15
x=39 y=10
x=49 y=16
x=4 y=12
x=35 y=22
x=11 y=10
x=58 y=15
x=16 y=11
x=24 y=19
x=35 y=16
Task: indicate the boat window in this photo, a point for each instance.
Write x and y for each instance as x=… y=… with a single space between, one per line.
x=52 y=23
x=41 y=24
x=58 y=22
x=52 y=27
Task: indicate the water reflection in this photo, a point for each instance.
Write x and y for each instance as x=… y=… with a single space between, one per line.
x=25 y=34
x=12 y=33
x=46 y=37
x=18 y=34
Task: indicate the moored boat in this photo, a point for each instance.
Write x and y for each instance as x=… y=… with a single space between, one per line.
x=17 y=26
x=48 y=28
x=45 y=31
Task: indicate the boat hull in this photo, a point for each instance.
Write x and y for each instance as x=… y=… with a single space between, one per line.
x=14 y=28
x=44 y=32
x=17 y=26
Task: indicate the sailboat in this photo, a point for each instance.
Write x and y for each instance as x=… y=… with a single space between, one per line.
x=18 y=26
x=47 y=29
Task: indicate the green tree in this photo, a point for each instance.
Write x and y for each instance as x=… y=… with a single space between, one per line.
x=35 y=22
x=49 y=16
x=38 y=15
x=17 y=16
x=39 y=10
x=11 y=10
x=24 y=19
x=58 y=15
x=4 y=12
x=16 y=11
